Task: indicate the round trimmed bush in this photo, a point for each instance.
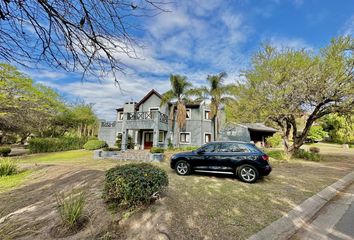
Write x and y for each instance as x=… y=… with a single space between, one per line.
x=157 y=150
x=5 y=151
x=95 y=144
x=134 y=184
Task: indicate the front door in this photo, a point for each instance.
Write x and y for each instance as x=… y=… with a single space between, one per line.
x=148 y=139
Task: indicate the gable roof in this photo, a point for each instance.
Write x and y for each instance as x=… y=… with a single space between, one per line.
x=153 y=91
x=258 y=127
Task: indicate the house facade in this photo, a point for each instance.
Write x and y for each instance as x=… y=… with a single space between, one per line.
x=147 y=124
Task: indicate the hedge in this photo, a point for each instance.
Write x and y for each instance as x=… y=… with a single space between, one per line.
x=95 y=144
x=38 y=145
x=134 y=184
x=4 y=151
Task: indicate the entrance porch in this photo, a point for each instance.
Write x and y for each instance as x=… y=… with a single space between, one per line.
x=144 y=139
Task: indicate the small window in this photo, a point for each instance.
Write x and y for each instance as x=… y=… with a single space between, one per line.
x=207 y=115
x=188 y=113
x=120 y=116
x=185 y=138
x=207 y=137
x=161 y=136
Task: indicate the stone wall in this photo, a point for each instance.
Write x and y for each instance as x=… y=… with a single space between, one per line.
x=132 y=155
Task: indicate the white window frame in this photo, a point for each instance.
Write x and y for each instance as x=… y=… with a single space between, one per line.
x=190 y=138
x=163 y=137
x=120 y=113
x=206 y=110
x=190 y=113
x=210 y=137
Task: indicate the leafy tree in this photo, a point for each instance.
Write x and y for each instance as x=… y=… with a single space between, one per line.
x=340 y=128
x=219 y=93
x=90 y=36
x=317 y=133
x=180 y=89
x=25 y=106
x=284 y=85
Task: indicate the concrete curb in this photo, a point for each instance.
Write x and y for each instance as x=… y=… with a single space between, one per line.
x=286 y=226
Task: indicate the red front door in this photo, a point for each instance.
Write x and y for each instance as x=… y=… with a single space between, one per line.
x=148 y=138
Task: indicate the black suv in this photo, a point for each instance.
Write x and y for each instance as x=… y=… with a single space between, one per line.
x=241 y=158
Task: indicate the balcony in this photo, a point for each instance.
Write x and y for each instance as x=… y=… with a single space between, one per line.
x=134 y=116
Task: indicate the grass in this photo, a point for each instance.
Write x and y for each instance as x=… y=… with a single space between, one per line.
x=13 y=181
x=207 y=206
x=70 y=209
x=7 y=167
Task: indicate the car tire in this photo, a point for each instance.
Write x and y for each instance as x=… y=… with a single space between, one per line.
x=183 y=168
x=247 y=173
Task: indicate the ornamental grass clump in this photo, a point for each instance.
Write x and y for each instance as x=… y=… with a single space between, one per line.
x=7 y=167
x=71 y=209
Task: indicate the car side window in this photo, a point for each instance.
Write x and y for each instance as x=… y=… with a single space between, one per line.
x=233 y=147
x=209 y=148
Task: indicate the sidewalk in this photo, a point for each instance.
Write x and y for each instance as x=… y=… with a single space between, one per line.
x=334 y=221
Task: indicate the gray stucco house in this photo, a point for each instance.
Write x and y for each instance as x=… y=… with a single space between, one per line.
x=147 y=123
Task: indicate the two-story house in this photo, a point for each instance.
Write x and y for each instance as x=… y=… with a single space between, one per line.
x=149 y=124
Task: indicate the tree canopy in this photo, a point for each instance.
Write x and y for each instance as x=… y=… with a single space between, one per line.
x=31 y=108
x=89 y=36
x=286 y=84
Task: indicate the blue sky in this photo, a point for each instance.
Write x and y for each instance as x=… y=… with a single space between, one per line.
x=201 y=37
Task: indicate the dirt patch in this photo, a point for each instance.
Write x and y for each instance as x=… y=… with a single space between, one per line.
x=61 y=230
x=30 y=212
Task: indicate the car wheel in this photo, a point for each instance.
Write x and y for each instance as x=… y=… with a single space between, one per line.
x=247 y=173
x=183 y=168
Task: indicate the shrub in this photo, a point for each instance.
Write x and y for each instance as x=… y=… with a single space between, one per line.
x=277 y=154
x=274 y=141
x=38 y=145
x=157 y=150
x=301 y=153
x=95 y=144
x=314 y=150
x=133 y=184
x=92 y=138
x=71 y=209
x=7 y=167
x=5 y=151
x=111 y=149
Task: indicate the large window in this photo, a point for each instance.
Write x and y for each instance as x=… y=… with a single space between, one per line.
x=161 y=136
x=207 y=115
x=185 y=137
x=207 y=137
x=120 y=116
x=188 y=113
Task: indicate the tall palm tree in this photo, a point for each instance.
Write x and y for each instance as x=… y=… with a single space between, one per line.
x=179 y=92
x=218 y=93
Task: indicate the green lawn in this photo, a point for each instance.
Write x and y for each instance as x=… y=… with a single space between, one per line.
x=10 y=182
x=207 y=206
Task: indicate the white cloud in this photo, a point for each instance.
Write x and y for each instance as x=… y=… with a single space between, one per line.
x=348 y=28
x=285 y=42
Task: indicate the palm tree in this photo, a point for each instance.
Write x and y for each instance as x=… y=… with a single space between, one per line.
x=218 y=92
x=179 y=92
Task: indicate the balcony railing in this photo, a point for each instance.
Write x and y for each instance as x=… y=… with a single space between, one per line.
x=132 y=116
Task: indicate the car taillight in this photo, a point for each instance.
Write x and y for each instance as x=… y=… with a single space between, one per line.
x=265 y=157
